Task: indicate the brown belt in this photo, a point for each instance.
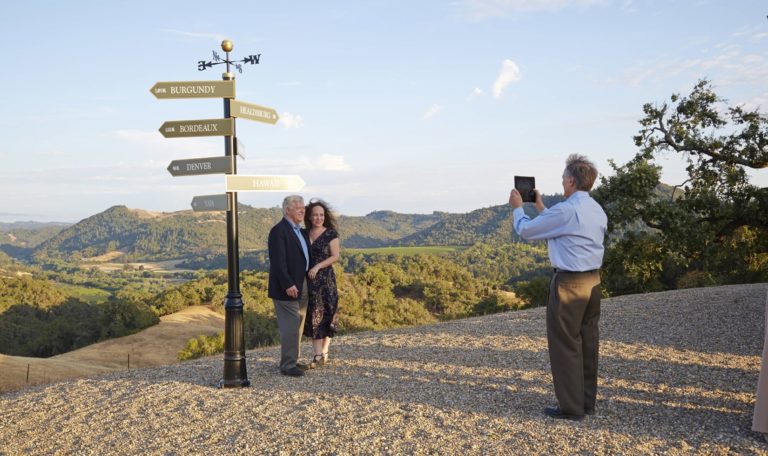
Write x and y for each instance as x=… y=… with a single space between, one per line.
x=563 y=271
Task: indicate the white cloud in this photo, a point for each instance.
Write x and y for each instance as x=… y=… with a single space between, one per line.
x=330 y=162
x=481 y=9
x=731 y=66
x=289 y=120
x=509 y=73
x=294 y=164
x=476 y=92
x=432 y=111
x=757 y=102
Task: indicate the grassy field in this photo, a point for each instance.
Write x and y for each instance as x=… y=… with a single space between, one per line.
x=155 y=346
x=407 y=251
x=159 y=267
x=87 y=294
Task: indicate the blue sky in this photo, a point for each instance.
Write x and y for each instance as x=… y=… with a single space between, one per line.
x=412 y=106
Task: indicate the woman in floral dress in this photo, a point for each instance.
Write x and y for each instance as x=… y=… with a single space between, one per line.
x=322 y=319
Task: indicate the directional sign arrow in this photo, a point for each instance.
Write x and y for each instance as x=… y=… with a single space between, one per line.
x=210 y=203
x=239 y=148
x=268 y=183
x=204 y=127
x=194 y=89
x=252 y=111
x=197 y=166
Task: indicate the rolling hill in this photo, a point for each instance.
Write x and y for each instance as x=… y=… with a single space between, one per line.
x=155 y=346
x=140 y=235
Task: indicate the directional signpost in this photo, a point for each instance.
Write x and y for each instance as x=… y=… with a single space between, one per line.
x=194 y=89
x=270 y=183
x=239 y=148
x=198 y=166
x=252 y=111
x=235 y=373
x=204 y=127
x=210 y=203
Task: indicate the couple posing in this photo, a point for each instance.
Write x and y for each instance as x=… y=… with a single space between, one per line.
x=302 y=281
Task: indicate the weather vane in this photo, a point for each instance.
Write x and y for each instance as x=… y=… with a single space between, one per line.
x=226 y=45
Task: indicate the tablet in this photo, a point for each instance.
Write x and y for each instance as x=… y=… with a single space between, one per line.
x=525 y=185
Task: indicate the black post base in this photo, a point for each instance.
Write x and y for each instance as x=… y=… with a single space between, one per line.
x=235 y=371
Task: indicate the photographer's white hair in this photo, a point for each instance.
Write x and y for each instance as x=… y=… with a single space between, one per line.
x=583 y=171
x=290 y=200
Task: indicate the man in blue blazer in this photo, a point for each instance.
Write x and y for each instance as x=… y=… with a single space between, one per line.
x=288 y=265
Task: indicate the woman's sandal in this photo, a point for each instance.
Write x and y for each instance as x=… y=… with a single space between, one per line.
x=318 y=360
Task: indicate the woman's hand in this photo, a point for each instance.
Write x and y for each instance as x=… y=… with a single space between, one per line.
x=313 y=272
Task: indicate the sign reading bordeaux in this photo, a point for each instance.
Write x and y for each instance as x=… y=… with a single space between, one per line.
x=204 y=127
x=194 y=89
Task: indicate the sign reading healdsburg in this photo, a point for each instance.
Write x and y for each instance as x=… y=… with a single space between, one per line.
x=235 y=372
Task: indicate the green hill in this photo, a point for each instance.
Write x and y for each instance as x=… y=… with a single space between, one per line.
x=491 y=224
x=142 y=235
x=201 y=236
x=18 y=239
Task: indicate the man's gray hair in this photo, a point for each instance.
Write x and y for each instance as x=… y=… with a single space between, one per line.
x=290 y=200
x=582 y=170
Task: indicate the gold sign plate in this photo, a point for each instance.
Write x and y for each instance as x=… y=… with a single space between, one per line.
x=267 y=183
x=252 y=111
x=194 y=89
x=204 y=127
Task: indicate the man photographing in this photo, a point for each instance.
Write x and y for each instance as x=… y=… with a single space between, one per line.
x=575 y=231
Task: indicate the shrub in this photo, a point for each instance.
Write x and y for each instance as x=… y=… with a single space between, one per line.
x=696 y=279
x=202 y=346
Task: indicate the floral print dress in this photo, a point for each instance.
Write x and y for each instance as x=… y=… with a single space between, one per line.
x=322 y=318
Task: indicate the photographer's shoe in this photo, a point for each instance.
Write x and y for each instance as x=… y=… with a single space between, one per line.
x=556 y=413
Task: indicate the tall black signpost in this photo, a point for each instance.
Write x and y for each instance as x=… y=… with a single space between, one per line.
x=235 y=372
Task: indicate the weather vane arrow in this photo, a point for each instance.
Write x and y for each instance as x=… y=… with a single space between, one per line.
x=252 y=59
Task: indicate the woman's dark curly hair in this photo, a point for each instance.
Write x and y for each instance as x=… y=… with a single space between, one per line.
x=330 y=217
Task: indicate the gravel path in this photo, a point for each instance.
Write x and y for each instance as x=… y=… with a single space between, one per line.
x=677 y=376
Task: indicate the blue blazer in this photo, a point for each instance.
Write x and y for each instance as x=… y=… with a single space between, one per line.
x=287 y=264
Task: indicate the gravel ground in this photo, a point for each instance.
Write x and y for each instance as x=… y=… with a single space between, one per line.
x=677 y=376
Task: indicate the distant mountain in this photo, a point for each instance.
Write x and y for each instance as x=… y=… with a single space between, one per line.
x=383 y=228
x=18 y=239
x=492 y=224
x=141 y=235
x=30 y=225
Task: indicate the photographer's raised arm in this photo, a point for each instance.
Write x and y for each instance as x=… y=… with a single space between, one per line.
x=540 y=207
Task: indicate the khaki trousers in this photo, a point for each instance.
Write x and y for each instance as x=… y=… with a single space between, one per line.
x=290 y=321
x=573 y=311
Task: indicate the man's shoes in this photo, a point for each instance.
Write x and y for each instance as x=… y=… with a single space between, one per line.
x=304 y=367
x=556 y=413
x=293 y=372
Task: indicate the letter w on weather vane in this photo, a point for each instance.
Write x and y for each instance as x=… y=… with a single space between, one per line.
x=217 y=60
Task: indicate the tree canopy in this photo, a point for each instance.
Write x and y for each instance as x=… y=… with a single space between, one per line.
x=712 y=227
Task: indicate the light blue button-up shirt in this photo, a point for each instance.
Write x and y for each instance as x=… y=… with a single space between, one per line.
x=297 y=232
x=574 y=230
